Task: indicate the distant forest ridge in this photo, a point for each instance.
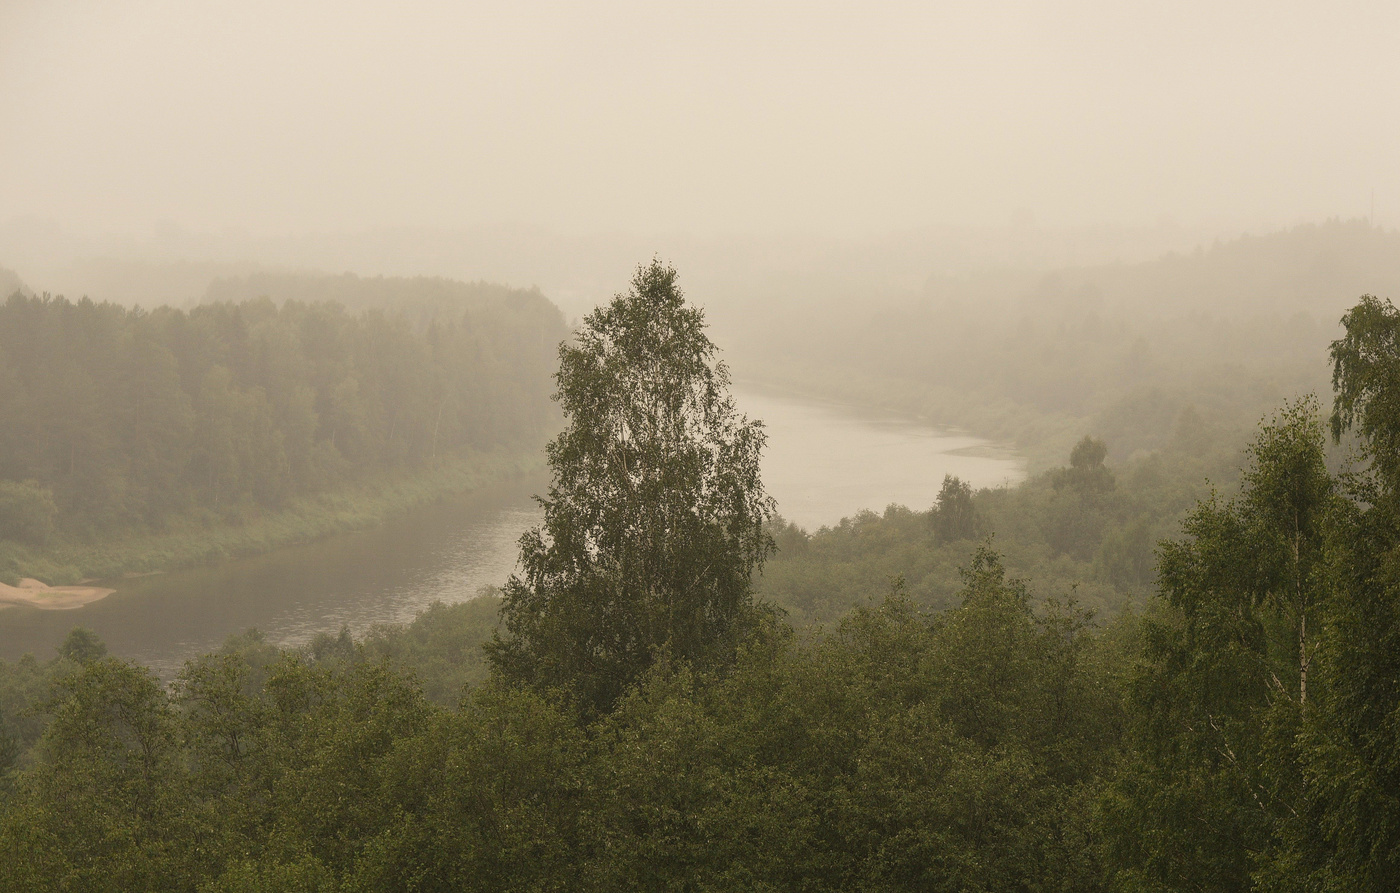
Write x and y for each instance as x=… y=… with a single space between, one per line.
x=1317 y=269
x=419 y=299
x=117 y=420
x=1118 y=351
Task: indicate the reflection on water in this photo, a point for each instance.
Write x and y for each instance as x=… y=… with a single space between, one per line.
x=822 y=464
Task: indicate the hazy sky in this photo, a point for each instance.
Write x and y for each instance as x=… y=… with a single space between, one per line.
x=843 y=119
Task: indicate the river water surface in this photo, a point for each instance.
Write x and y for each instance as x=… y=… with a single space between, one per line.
x=823 y=463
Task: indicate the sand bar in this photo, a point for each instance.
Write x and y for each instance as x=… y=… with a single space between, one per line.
x=50 y=598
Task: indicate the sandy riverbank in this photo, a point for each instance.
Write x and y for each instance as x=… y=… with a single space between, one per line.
x=50 y=598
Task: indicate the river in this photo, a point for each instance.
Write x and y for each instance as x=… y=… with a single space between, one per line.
x=823 y=463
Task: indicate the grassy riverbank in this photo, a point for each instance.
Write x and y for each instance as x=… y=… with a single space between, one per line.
x=241 y=531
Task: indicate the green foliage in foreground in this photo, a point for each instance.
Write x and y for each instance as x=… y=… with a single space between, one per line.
x=1261 y=751
x=957 y=751
x=1240 y=736
x=442 y=647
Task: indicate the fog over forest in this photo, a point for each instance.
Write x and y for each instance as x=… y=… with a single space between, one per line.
x=705 y=446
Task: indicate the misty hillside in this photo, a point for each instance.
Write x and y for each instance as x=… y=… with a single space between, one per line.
x=1317 y=269
x=1119 y=351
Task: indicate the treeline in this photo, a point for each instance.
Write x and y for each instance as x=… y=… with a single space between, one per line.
x=421 y=300
x=118 y=420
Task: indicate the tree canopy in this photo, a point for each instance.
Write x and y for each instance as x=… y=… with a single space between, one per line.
x=654 y=520
x=116 y=419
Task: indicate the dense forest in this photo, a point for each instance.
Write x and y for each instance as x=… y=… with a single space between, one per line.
x=626 y=727
x=118 y=421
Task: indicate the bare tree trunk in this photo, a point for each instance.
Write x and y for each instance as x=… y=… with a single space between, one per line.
x=1302 y=617
x=1303 y=661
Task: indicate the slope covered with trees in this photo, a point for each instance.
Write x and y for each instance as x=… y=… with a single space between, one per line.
x=116 y=421
x=956 y=752
x=1122 y=351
